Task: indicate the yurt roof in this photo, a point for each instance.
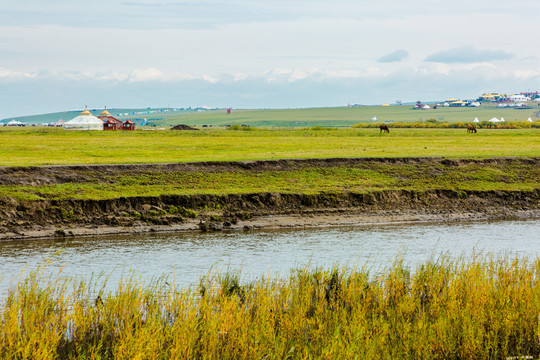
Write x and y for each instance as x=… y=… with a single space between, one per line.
x=85 y=117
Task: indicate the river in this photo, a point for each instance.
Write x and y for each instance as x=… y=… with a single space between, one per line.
x=185 y=257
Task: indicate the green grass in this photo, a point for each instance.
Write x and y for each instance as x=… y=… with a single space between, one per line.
x=31 y=147
x=346 y=117
x=361 y=178
x=477 y=308
x=325 y=117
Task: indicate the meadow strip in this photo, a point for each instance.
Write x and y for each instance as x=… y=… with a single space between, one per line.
x=365 y=176
x=28 y=147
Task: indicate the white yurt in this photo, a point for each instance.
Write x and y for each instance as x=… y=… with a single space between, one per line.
x=493 y=120
x=502 y=119
x=85 y=121
x=374 y=118
x=14 y=123
x=529 y=120
x=476 y=120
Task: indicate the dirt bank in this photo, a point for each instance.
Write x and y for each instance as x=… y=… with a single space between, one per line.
x=20 y=219
x=44 y=218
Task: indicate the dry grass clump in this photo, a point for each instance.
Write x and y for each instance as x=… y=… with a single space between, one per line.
x=480 y=308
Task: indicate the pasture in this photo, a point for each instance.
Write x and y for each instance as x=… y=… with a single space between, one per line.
x=345 y=116
x=49 y=146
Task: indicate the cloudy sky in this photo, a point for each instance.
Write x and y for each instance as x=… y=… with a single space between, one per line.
x=261 y=54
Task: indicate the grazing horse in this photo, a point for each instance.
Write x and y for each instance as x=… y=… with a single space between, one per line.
x=471 y=129
x=384 y=128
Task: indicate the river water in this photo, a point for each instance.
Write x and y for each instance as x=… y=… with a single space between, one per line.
x=185 y=257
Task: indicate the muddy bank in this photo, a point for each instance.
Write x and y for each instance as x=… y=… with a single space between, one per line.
x=61 y=218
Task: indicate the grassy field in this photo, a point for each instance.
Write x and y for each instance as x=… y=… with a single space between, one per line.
x=479 y=308
x=346 y=116
x=307 y=117
x=34 y=146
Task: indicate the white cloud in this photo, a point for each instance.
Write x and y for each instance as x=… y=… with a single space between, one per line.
x=146 y=75
x=468 y=54
x=270 y=53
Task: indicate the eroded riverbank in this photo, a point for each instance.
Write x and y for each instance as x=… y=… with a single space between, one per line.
x=44 y=217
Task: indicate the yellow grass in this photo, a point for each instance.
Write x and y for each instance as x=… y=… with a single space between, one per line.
x=479 y=308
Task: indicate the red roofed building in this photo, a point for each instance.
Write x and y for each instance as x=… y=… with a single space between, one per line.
x=109 y=121
x=128 y=125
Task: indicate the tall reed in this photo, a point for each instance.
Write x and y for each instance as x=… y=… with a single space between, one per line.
x=477 y=308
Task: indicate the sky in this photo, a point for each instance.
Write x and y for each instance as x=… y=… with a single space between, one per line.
x=69 y=54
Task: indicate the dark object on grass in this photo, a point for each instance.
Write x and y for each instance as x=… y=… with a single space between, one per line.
x=183 y=127
x=384 y=128
x=471 y=129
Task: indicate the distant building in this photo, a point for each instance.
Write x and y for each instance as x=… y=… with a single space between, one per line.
x=519 y=98
x=109 y=121
x=457 y=103
x=85 y=121
x=128 y=125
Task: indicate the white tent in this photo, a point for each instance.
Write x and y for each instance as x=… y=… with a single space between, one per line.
x=14 y=123
x=85 y=121
x=493 y=120
x=476 y=120
x=529 y=120
x=425 y=107
x=502 y=119
x=374 y=118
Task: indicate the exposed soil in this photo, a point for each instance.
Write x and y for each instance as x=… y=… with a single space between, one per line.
x=60 y=218
x=183 y=127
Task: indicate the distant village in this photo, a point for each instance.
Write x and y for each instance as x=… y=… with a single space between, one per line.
x=521 y=100
x=105 y=121
x=86 y=121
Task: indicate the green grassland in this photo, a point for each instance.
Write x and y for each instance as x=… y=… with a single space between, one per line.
x=346 y=116
x=34 y=146
x=305 y=117
x=478 y=308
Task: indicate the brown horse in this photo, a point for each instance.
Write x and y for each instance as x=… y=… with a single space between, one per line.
x=471 y=129
x=384 y=128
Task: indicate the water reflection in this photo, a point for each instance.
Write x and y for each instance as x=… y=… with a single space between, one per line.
x=187 y=256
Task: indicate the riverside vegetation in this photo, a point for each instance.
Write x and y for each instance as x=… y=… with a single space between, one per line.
x=482 y=307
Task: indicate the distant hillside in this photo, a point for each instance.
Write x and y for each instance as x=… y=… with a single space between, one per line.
x=138 y=115
x=305 y=117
